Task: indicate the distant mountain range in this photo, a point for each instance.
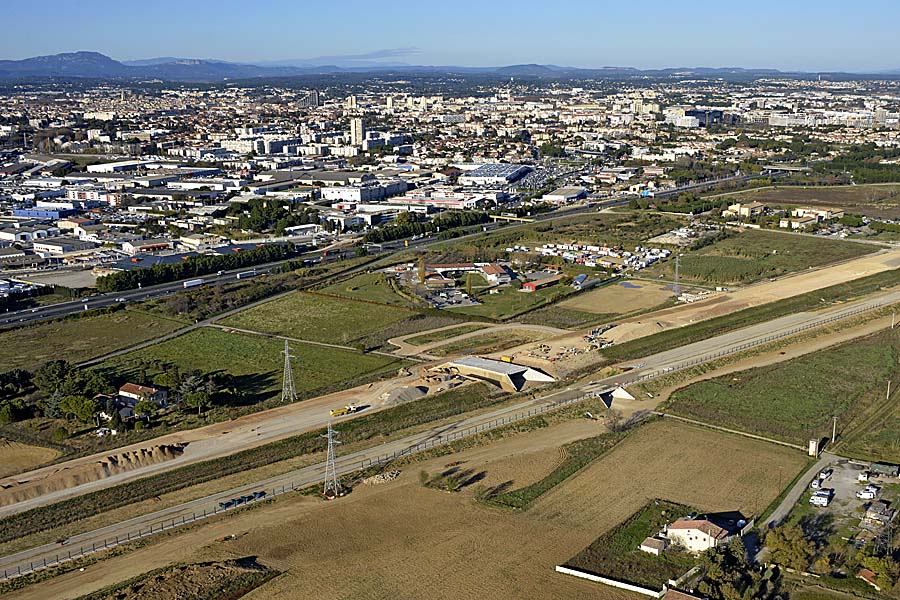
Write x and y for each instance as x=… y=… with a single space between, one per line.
x=99 y=66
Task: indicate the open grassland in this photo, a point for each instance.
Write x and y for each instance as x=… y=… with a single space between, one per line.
x=563 y=318
x=671 y=338
x=255 y=362
x=319 y=318
x=489 y=343
x=620 y=298
x=617 y=553
x=77 y=339
x=374 y=287
x=16 y=457
x=754 y=255
x=795 y=401
x=444 y=334
x=475 y=551
x=877 y=201
x=510 y=302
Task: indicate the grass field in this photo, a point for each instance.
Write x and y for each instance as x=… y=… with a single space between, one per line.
x=374 y=287
x=666 y=340
x=564 y=318
x=754 y=255
x=254 y=361
x=511 y=302
x=319 y=318
x=617 y=553
x=490 y=342
x=796 y=400
x=879 y=201
x=79 y=339
x=445 y=334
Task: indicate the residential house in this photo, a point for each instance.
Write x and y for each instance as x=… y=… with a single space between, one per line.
x=879 y=513
x=702 y=533
x=133 y=391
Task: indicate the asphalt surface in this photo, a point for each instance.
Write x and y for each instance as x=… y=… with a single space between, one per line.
x=27 y=316
x=652 y=366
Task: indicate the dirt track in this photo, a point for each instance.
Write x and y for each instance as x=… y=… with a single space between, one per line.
x=754 y=295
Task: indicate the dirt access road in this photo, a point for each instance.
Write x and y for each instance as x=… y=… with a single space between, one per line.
x=406 y=349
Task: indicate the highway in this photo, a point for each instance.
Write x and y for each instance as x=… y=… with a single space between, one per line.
x=27 y=316
x=650 y=367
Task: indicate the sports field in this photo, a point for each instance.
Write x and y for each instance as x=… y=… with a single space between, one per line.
x=79 y=339
x=620 y=298
x=319 y=318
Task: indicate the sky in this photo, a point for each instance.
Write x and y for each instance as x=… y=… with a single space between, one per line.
x=810 y=35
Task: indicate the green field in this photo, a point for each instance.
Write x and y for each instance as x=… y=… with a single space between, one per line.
x=77 y=339
x=795 y=400
x=489 y=342
x=511 y=302
x=374 y=287
x=319 y=318
x=754 y=255
x=818 y=299
x=446 y=334
x=617 y=554
x=254 y=361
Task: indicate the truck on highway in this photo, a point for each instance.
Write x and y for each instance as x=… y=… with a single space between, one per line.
x=246 y=274
x=192 y=283
x=345 y=410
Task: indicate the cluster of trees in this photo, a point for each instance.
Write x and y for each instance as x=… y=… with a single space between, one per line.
x=687 y=203
x=804 y=547
x=551 y=150
x=731 y=576
x=864 y=163
x=266 y=214
x=879 y=227
x=195 y=266
x=204 y=302
x=687 y=170
x=407 y=225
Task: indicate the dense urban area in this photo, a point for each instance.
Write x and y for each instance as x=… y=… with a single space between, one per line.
x=512 y=334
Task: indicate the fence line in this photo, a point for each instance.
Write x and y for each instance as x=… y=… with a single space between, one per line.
x=441 y=439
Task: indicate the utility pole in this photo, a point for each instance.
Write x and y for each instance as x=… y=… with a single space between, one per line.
x=677 y=288
x=888 y=397
x=288 y=392
x=833 y=429
x=332 y=487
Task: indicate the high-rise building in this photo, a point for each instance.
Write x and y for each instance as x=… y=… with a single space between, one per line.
x=357 y=131
x=390 y=102
x=311 y=100
x=351 y=102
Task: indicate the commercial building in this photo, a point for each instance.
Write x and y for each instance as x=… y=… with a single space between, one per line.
x=494 y=174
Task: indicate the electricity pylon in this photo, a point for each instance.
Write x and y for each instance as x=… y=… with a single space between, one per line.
x=288 y=392
x=332 y=483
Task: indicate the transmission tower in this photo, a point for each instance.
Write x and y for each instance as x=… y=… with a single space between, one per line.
x=332 y=487
x=884 y=543
x=288 y=392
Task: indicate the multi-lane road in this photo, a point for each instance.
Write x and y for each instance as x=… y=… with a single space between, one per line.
x=646 y=368
x=26 y=316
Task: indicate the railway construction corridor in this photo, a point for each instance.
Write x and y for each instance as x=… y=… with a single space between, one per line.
x=650 y=367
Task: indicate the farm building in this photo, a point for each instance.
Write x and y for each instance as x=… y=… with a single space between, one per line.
x=654 y=545
x=886 y=470
x=533 y=286
x=509 y=376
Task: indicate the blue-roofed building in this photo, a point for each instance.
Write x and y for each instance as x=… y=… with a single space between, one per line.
x=44 y=213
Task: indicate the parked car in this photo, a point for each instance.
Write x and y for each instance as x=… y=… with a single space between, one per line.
x=865 y=494
x=816 y=484
x=826 y=473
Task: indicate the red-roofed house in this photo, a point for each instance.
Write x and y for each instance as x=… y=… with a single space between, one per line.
x=133 y=391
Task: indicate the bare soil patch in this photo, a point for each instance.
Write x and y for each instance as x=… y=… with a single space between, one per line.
x=620 y=298
x=16 y=457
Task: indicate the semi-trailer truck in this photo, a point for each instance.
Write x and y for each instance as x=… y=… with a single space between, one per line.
x=192 y=283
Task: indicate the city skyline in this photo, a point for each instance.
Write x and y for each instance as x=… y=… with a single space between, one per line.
x=804 y=36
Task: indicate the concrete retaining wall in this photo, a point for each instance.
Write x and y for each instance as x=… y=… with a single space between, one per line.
x=611 y=582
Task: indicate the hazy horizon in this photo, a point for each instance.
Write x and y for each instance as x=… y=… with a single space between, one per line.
x=802 y=36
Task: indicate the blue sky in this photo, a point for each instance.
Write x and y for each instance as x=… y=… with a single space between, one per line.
x=786 y=34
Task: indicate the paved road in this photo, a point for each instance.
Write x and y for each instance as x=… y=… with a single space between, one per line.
x=652 y=366
x=26 y=316
x=802 y=484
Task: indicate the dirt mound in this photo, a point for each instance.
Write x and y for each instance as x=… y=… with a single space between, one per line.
x=17 y=489
x=407 y=393
x=223 y=580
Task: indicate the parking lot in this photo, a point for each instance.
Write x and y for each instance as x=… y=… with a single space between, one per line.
x=846 y=509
